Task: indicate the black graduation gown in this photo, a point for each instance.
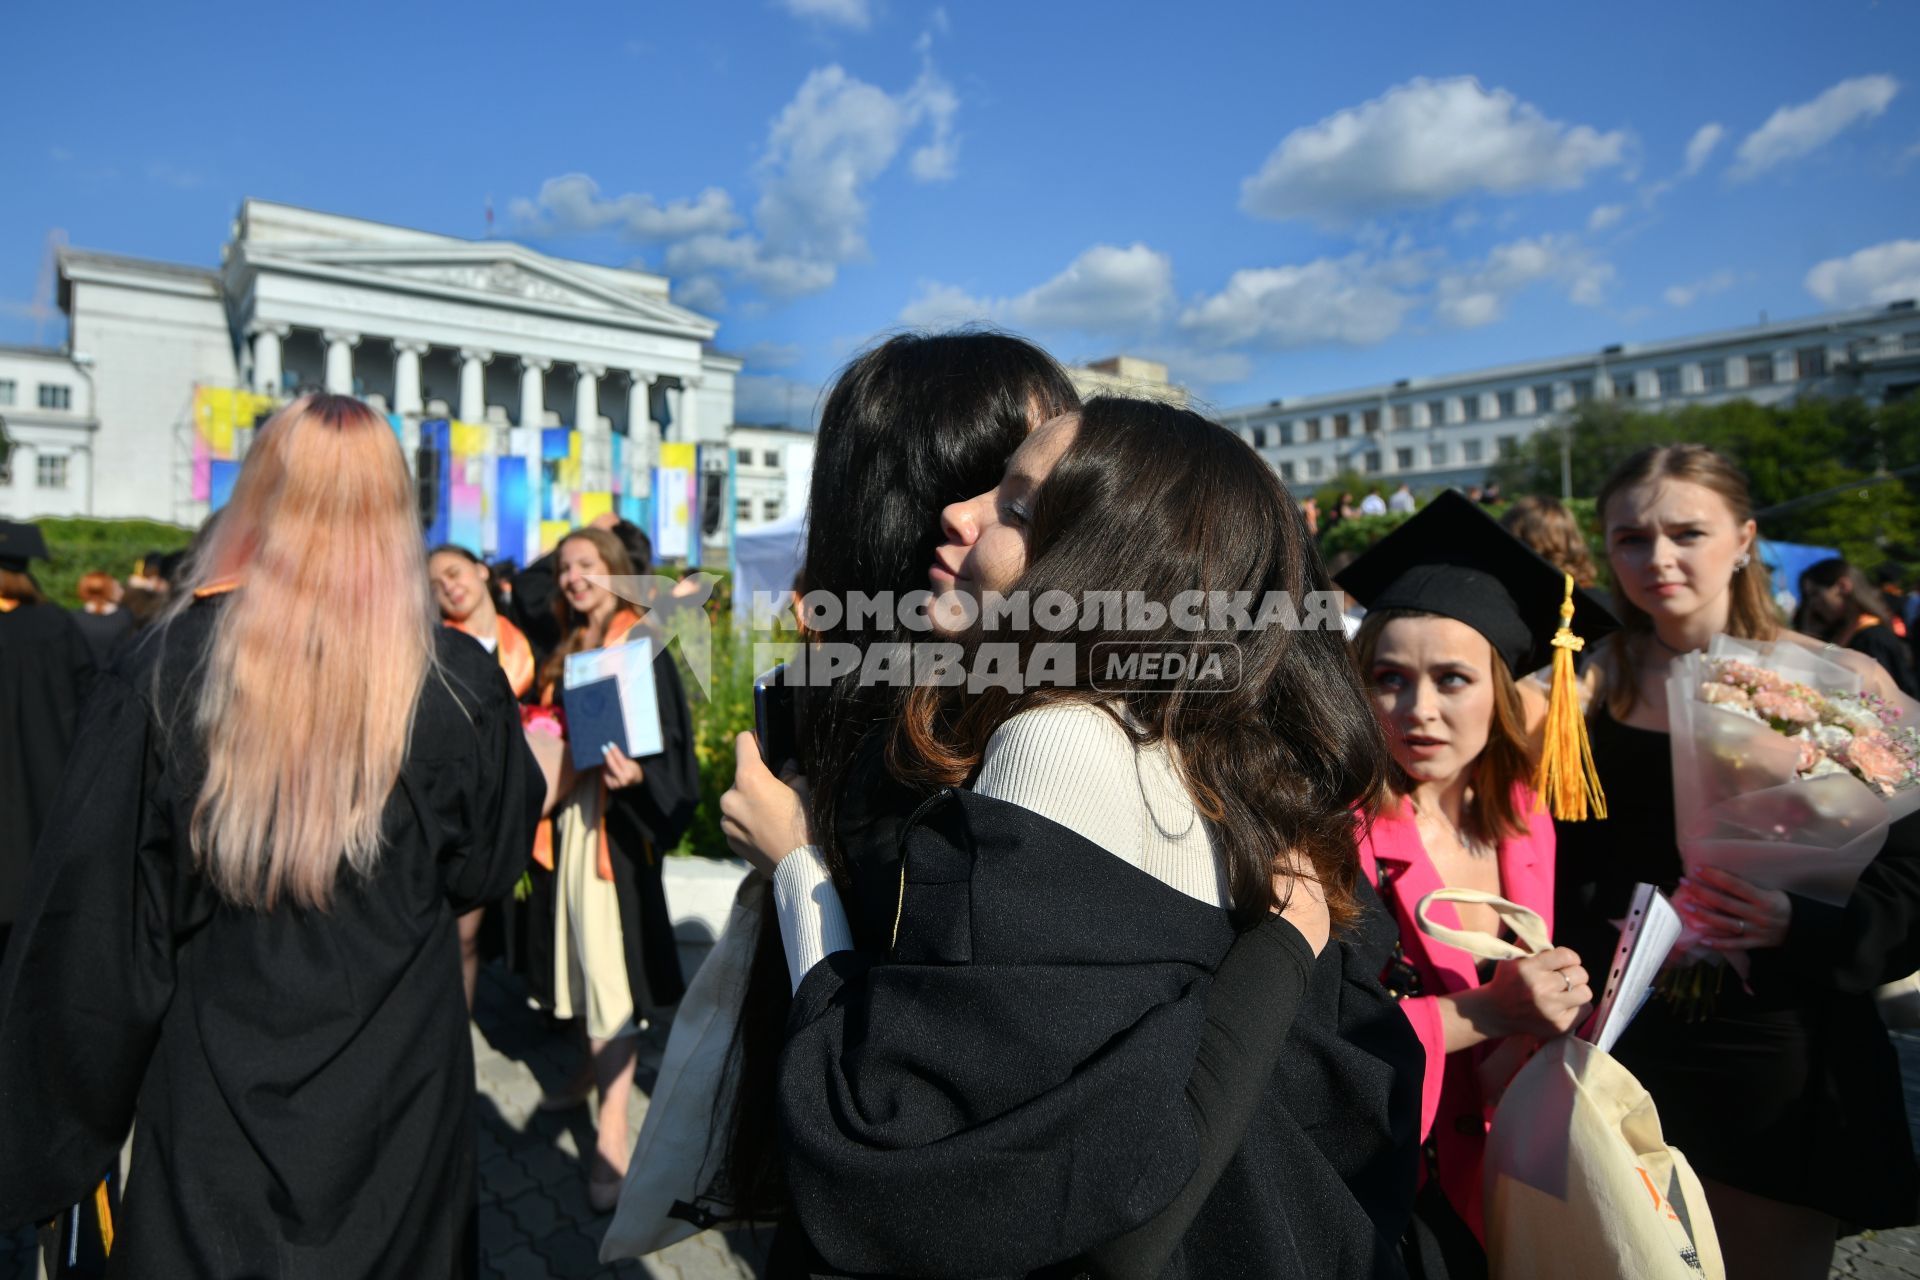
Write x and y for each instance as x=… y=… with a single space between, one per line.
x=644 y=823
x=105 y=632
x=300 y=1084
x=46 y=669
x=1007 y=1088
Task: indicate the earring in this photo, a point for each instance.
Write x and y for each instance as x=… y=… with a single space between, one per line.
x=1743 y=561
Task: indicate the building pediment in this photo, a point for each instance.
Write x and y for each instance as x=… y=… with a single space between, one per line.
x=494 y=273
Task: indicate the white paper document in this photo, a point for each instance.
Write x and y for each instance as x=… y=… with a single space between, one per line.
x=1647 y=934
x=632 y=665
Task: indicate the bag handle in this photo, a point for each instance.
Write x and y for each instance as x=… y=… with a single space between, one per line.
x=1524 y=921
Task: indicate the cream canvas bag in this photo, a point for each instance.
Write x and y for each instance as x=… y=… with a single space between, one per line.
x=1579 y=1184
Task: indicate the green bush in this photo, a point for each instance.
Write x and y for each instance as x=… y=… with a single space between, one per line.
x=112 y=546
x=726 y=712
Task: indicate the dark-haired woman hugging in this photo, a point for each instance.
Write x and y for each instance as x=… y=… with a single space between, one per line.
x=1026 y=1075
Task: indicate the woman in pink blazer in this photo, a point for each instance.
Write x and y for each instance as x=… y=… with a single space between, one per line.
x=1455 y=607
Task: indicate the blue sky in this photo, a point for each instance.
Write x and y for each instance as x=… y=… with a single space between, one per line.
x=1276 y=199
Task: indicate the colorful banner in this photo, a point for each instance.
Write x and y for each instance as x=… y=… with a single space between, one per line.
x=673 y=502
x=223 y=421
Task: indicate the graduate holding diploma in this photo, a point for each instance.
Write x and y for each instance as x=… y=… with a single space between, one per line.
x=614 y=958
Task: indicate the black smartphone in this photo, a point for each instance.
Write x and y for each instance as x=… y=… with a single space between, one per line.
x=774 y=723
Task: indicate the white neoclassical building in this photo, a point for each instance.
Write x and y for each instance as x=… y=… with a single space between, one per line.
x=509 y=344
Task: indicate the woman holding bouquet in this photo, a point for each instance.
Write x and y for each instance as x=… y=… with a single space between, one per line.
x=1783 y=1090
x=1456 y=607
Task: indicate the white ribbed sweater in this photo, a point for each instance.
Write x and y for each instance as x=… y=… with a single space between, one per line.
x=1071 y=763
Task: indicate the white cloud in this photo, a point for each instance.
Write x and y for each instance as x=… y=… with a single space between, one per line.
x=571 y=204
x=1188 y=366
x=857 y=14
x=766 y=397
x=1605 y=216
x=1474 y=296
x=1879 y=273
x=1792 y=132
x=1422 y=143
x=700 y=293
x=1684 y=295
x=1352 y=300
x=1104 y=290
x=773 y=355
x=1701 y=145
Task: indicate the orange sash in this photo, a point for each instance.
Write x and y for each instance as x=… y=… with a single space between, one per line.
x=8 y=604
x=619 y=627
x=511 y=647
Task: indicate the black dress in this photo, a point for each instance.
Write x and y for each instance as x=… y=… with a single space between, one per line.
x=300 y=1083
x=46 y=669
x=1790 y=1091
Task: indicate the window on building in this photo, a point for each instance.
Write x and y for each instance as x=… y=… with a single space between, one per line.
x=1403 y=459
x=769 y=457
x=1669 y=379
x=1286 y=472
x=1370 y=422
x=1503 y=404
x=6 y=473
x=1508 y=445
x=1470 y=408
x=1313 y=429
x=50 y=471
x=1313 y=468
x=1286 y=432
x=743 y=456
x=1910 y=341
x=1436 y=413
x=1760 y=371
x=1342 y=426
x=1623 y=384
x=1813 y=361
x=56 y=395
x=1543 y=398
x=1437 y=454
x=1259 y=437
x=1713 y=374
x=1583 y=390
x=1402 y=417
x=1470 y=450
x=771 y=508
x=6 y=391
x=743 y=508
x=1370 y=463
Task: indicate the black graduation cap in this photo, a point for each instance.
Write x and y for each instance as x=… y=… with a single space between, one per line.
x=1455 y=560
x=20 y=543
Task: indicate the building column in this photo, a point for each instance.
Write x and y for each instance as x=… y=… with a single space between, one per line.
x=596 y=443
x=340 y=361
x=533 y=390
x=643 y=433
x=406 y=377
x=688 y=414
x=473 y=387
x=268 y=368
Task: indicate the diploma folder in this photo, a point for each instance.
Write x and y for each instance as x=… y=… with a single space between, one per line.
x=609 y=695
x=1647 y=934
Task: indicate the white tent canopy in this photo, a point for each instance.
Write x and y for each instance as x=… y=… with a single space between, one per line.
x=766 y=559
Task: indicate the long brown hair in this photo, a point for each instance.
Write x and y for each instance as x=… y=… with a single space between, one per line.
x=18 y=584
x=1549 y=528
x=1276 y=764
x=1752 y=615
x=1503 y=765
x=318 y=658
x=575 y=635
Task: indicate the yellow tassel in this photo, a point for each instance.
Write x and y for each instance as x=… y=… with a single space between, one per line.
x=1566 y=782
x=105 y=1210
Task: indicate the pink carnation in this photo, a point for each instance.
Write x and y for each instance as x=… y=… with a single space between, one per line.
x=1876 y=761
x=1726 y=695
x=1776 y=704
x=1810 y=755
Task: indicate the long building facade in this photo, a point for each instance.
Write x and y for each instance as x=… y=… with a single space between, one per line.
x=1434 y=432
x=529 y=392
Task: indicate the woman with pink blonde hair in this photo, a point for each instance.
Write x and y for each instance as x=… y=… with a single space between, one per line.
x=240 y=927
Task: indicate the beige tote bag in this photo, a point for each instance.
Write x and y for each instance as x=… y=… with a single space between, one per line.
x=1579 y=1183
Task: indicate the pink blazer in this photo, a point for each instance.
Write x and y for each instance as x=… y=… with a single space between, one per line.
x=1452 y=1112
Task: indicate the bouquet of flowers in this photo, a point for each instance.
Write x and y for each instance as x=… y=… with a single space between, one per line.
x=1784 y=771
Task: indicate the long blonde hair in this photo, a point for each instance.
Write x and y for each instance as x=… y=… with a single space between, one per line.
x=1751 y=615
x=318 y=658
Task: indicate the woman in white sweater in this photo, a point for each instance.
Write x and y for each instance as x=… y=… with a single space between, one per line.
x=1030 y=956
